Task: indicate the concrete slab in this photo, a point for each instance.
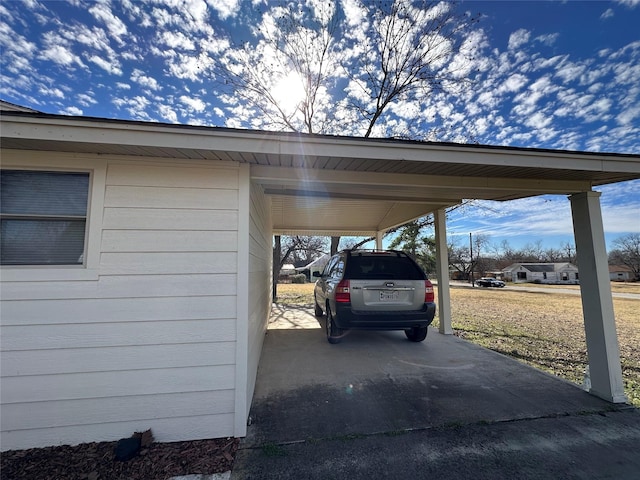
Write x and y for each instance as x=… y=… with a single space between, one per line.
x=378 y=403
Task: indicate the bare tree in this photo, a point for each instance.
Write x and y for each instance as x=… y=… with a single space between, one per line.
x=412 y=49
x=348 y=68
x=344 y=72
x=627 y=252
x=298 y=249
x=460 y=260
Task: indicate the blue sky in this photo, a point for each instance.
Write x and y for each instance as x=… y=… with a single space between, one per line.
x=547 y=74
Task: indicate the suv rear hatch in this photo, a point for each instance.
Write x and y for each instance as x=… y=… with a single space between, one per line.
x=385 y=282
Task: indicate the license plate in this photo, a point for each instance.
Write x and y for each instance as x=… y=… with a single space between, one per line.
x=388 y=296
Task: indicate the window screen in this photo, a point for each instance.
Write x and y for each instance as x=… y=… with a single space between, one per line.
x=43 y=217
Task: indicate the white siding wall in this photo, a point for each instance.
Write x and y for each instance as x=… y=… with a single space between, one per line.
x=260 y=278
x=145 y=335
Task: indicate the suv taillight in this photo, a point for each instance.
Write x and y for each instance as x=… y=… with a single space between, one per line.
x=429 y=295
x=343 y=294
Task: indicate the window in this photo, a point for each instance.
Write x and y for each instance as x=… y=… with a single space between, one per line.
x=43 y=217
x=338 y=269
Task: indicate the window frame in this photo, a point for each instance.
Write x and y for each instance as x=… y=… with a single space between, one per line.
x=52 y=217
x=64 y=163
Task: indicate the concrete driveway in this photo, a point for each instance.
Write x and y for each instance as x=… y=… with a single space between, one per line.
x=379 y=406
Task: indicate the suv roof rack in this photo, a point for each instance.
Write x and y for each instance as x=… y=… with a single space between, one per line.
x=351 y=251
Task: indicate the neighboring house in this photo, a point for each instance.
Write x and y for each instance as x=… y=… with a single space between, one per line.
x=621 y=273
x=541 y=273
x=286 y=272
x=316 y=266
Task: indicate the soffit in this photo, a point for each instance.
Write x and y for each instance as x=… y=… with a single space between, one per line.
x=335 y=185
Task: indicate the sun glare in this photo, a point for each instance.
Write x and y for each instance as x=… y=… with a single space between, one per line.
x=289 y=92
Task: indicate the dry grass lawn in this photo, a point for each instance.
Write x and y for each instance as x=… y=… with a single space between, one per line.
x=543 y=329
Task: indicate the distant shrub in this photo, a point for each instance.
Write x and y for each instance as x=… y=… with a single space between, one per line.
x=299 y=278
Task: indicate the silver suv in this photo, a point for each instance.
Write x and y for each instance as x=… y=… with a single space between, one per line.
x=374 y=290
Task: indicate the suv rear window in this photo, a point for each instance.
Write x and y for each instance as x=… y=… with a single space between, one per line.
x=370 y=267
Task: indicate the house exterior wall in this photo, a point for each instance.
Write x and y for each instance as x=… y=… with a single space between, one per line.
x=562 y=274
x=621 y=275
x=145 y=334
x=260 y=278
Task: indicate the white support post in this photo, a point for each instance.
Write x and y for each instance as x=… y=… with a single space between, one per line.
x=379 y=236
x=603 y=351
x=442 y=272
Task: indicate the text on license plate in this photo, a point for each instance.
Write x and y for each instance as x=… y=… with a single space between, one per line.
x=388 y=296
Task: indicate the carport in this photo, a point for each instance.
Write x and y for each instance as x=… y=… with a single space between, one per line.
x=347 y=186
x=178 y=244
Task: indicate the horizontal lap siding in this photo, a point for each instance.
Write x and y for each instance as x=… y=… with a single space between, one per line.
x=152 y=342
x=260 y=257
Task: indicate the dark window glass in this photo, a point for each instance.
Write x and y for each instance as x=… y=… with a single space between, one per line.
x=387 y=267
x=43 y=217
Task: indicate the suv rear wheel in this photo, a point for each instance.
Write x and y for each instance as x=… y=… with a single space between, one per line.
x=333 y=332
x=416 y=334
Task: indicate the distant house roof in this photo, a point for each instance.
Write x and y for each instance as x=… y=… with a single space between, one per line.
x=540 y=267
x=619 y=268
x=543 y=267
x=317 y=263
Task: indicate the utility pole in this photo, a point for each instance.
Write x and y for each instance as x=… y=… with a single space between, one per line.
x=471 y=254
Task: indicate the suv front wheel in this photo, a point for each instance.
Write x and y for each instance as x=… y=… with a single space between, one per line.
x=416 y=334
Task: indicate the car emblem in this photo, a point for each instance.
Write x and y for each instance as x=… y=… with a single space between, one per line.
x=389 y=284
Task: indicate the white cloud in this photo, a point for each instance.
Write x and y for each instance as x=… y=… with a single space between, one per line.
x=194 y=104
x=354 y=12
x=187 y=67
x=570 y=71
x=51 y=92
x=534 y=217
x=136 y=106
x=538 y=120
x=86 y=100
x=514 y=83
x=608 y=13
x=111 y=67
x=629 y=3
x=72 y=111
x=518 y=38
x=60 y=55
x=626 y=116
x=168 y=113
x=225 y=8
x=115 y=26
x=548 y=39
x=143 y=80
x=177 y=40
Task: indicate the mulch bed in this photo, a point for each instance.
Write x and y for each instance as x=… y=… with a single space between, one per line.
x=97 y=461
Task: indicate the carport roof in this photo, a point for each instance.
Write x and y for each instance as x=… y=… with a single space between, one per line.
x=331 y=184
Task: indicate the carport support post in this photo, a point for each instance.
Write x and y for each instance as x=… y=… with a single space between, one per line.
x=597 y=303
x=442 y=272
x=379 y=236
